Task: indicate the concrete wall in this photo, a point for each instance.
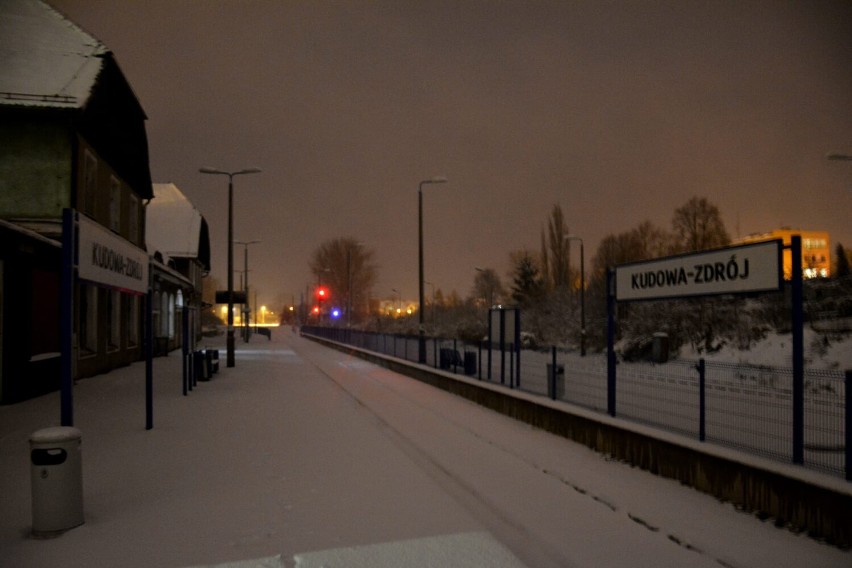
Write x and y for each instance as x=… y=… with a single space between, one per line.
x=791 y=496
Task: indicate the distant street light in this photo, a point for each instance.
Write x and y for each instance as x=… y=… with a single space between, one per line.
x=230 y=339
x=398 y=300
x=582 y=295
x=247 y=306
x=422 y=331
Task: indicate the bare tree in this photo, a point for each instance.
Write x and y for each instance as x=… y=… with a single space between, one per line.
x=698 y=226
x=345 y=266
x=487 y=287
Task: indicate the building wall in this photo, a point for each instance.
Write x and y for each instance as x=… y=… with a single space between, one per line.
x=29 y=314
x=44 y=167
x=35 y=168
x=816 y=251
x=105 y=197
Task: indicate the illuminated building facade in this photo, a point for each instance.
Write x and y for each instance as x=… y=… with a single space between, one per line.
x=816 y=251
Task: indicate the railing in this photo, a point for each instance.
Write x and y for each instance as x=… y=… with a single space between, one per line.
x=747 y=407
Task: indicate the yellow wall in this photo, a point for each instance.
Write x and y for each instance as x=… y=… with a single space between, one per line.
x=816 y=251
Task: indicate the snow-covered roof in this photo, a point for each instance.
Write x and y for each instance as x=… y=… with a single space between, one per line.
x=174 y=227
x=45 y=59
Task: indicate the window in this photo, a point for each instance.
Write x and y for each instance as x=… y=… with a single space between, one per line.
x=113 y=319
x=132 y=321
x=170 y=329
x=164 y=315
x=88 y=318
x=133 y=219
x=86 y=199
x=114 y=204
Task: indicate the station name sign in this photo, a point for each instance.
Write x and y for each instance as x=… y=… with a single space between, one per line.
x=755 y=267
x=108 y=259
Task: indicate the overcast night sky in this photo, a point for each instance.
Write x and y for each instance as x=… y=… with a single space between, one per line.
x=618 y=111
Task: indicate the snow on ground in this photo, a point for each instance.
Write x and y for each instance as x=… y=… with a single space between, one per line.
x=303 y=456
x=776 y=350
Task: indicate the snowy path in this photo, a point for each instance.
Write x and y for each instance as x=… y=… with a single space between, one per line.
x=305 y=452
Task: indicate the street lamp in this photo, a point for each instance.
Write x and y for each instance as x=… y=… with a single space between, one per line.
x=582 y=295
x=247 y=306
x=230 y=339
x=349 y=247
x=422 y=331
x=432 y=285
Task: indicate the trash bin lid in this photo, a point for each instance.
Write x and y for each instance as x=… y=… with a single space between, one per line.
x=56 y=434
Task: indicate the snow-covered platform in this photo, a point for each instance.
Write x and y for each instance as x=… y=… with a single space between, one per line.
x=305 y=456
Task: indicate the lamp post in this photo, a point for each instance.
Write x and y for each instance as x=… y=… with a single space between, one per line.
x=398 y=301
x=422 y=331
x=432 y=285
x=247 y=306
x=349 y=247
x=230 y=339
x=582 y=295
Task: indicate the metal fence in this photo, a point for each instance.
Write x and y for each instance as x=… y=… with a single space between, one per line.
x=747 y=407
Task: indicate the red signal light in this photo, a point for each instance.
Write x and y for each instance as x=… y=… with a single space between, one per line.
x=322 y=292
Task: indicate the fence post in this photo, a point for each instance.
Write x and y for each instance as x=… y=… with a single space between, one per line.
x=512 y=367
x=798 y=352
x=610 y=342
x=848 y=409
x=702 y=400
x=455 y=359
x=551 y=377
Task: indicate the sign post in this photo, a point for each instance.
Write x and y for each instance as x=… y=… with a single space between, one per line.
x=744 y=269
x=67 y=278
x=93 y=253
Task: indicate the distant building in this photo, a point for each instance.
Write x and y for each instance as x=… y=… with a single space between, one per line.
x=816 y=251
x=178 y=238
x=72 y=135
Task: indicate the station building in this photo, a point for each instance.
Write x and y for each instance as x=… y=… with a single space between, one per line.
x=72 y=136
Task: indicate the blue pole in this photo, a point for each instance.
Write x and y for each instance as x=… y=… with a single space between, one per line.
x=149 y=353
x=610 y=341
x=848 y=425
x=518 y=348
x=185 y=350
x=66 y=317
x=490 y=342
x=798 y=352
x=551 y=377
x=702 y=400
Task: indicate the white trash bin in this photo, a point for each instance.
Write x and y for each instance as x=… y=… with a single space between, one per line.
x=57 y=480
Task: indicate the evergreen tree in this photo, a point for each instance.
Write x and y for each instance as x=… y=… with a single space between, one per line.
x=527 y=286
x=842 y=268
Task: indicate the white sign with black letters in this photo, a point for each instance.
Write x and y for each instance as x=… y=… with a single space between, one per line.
x=108 y=259
x=755 y=267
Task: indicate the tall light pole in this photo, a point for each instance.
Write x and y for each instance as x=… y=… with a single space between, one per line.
x=432 y=285
x=349 y=247
x=247 y=305
x=582 y=295
x=230 y=339
x=422 y=330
